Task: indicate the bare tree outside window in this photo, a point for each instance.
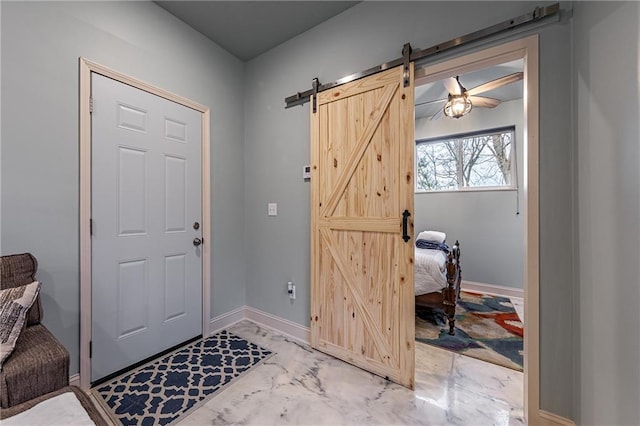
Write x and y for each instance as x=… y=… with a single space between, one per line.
x=479 y=159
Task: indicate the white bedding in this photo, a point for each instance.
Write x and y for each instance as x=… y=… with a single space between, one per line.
x=63 y=410
x=429 y=271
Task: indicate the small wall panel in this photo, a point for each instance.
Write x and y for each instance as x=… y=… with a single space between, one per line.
x=132 y=192
x=133 y=299
x=175 y=281
x=175 y=130
x=131 y=118
x=175 y=193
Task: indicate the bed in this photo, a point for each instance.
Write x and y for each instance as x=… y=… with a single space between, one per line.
x=437 y=274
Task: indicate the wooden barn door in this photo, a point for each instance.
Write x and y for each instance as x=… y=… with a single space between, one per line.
x=362 y=295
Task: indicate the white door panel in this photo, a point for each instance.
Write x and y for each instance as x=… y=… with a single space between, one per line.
x=146 y=196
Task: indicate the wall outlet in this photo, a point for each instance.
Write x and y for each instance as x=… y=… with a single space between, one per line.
x=291 y=289
x=272 y=209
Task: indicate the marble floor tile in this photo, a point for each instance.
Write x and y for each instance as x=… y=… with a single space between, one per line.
x=302 y=386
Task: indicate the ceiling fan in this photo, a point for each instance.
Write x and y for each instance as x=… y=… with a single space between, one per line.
x=460 y=100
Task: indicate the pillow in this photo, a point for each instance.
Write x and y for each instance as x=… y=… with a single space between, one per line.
x=14 y=304
x=436 y=236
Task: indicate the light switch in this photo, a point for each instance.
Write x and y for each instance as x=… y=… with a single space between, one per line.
x=273 y=209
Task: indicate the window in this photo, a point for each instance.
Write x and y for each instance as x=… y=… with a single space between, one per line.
x=479 y=160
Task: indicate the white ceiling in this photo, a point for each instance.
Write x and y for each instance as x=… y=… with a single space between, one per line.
x=248 y=28
x=436 y=91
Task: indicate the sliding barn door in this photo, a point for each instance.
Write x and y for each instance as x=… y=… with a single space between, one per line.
x=362 y=296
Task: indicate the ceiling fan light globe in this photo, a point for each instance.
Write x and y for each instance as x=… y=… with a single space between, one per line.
x=457 y=106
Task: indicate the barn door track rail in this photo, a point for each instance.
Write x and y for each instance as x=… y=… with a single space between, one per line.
x=409 y=55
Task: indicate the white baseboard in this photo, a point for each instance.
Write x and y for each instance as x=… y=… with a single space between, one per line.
x=550 y=419
x=227 y=319
x=74 y=379
x=281 y=325
x=492 y=289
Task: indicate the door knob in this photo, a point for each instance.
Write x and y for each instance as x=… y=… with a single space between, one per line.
x=197 y=242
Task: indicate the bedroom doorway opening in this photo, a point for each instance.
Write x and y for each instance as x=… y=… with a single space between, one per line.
x=476 y=174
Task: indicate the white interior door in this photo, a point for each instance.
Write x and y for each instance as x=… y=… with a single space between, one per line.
x=146 y=201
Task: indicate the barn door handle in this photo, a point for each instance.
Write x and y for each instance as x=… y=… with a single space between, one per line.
x=405 y=218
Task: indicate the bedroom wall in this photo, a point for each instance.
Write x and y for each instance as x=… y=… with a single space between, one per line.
x=277 y=146
x=490 y=231
x=41 y=43
x=607 y=107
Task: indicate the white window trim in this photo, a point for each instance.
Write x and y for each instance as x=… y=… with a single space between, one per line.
x=513 y=186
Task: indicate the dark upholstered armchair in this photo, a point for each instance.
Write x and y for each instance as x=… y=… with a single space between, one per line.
x=39 y=364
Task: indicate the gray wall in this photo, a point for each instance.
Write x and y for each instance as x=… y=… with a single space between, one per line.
x=277 y=146
x=41 y=43
x=607 y=112
x=491 y=234
x=556 y=251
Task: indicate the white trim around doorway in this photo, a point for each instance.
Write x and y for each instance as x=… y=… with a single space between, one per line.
x=86 y=68
x=527 y=49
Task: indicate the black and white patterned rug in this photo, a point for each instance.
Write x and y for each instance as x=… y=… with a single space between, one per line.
x=161 y=391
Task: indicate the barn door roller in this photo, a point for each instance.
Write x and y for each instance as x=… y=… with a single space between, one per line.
x=406 y=61
x=315 y=84
x=408 y=55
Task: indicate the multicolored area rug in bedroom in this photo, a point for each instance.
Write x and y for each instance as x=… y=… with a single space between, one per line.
x=487 y=328
x=161 y=391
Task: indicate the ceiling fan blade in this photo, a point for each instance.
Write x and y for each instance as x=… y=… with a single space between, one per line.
x=452 y=86
x=438 y=114
x=431 y=102
x=494 y=84
x=483 y=101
